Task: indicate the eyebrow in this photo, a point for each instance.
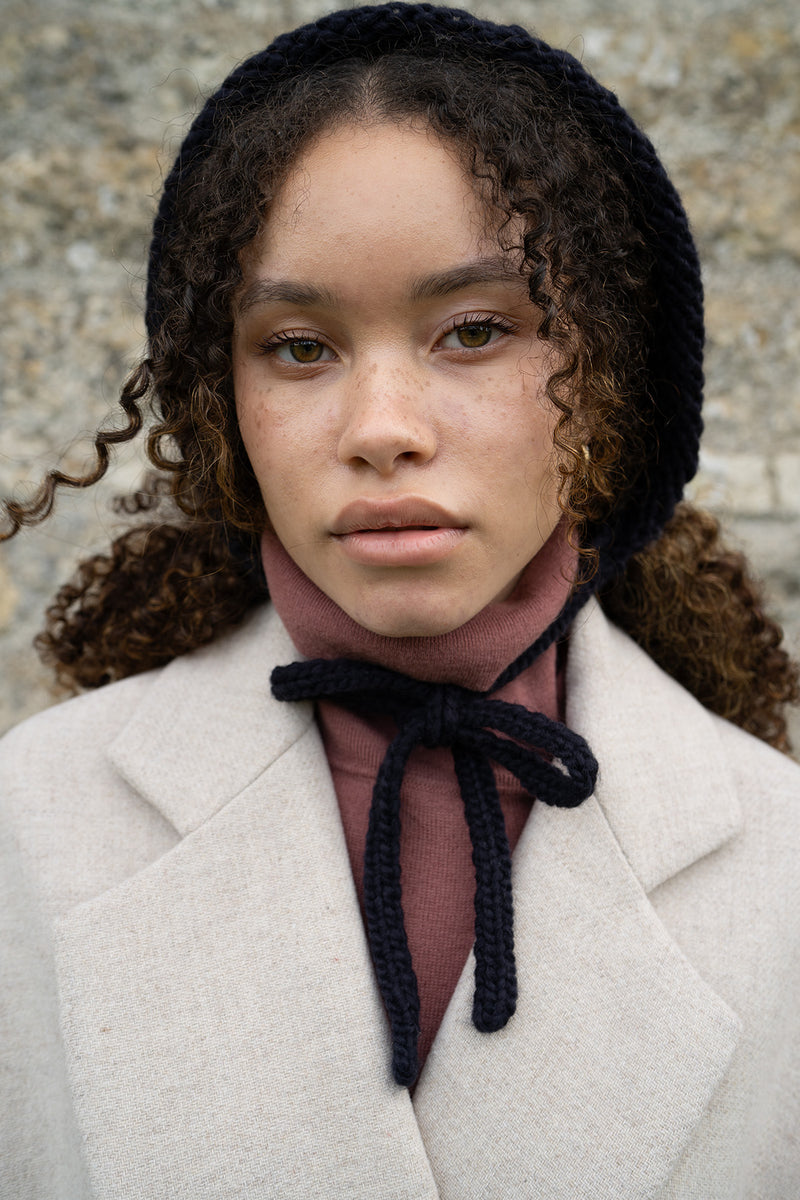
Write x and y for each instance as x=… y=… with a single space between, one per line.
x=272 y=291
x=483 y=270
x=426 y=287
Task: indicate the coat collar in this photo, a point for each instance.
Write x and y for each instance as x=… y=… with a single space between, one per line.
x=209 y=727
x=665 y=786
x=219 y=1014
x=232 y=981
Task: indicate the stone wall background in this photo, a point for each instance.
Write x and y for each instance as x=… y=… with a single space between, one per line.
x=94 y=97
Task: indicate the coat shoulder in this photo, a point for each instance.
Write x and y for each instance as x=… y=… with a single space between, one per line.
x=767 y=784
x=81 y=723
x=81 y=728
x=759 y=768
x=676 y=782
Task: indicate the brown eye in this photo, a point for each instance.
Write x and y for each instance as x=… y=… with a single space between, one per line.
x=472 y=337
x=305 y=351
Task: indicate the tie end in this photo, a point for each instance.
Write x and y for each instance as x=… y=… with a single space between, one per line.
x=488 y=1018
x=405 y=1066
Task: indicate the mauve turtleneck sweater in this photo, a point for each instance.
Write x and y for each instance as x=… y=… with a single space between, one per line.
x=435 y=853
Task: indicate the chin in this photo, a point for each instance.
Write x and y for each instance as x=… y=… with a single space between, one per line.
x=421 y=628
x=409 y=621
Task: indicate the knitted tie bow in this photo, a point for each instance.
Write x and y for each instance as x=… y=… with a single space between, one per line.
x=551 y=762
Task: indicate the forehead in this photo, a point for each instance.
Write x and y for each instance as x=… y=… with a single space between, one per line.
x=377 y=192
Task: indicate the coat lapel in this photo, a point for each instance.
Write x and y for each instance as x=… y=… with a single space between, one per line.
x=617 y=1046
x=223 y=1031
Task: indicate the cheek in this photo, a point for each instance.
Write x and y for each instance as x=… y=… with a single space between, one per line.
x=260 y=418
x=519 y=441
x=260 y=431
x=284 y=446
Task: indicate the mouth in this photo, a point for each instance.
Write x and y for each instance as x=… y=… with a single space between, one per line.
x=410 y=513
x=408 y=531
x=395 y=528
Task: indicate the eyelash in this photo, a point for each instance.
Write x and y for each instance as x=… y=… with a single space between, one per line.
x=269 y=345
x=479 y=320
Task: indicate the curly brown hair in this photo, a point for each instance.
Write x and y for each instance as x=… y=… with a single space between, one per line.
x=690 y=602
x=172 y=583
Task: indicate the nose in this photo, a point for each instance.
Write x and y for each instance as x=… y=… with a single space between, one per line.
x=387 y=421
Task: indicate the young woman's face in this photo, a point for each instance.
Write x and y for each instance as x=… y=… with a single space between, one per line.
x=390 y=385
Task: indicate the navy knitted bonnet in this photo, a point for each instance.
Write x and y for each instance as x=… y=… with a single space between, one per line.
x=552 y=763
x=673 y=424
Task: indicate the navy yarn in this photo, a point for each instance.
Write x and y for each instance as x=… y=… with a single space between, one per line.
x=552 y=763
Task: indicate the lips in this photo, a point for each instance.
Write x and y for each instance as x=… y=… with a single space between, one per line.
x=405 y=512
x=406 y=532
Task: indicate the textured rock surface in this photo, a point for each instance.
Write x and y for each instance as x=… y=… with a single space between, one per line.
x=94 y=100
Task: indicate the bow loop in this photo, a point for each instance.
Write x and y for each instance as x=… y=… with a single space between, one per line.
x=552 y=764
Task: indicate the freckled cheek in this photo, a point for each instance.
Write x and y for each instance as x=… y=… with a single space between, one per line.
x=284 y=483
x=289 y=448
x=263 y=421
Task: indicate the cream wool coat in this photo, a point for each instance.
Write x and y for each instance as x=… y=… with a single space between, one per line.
x=191 y=1011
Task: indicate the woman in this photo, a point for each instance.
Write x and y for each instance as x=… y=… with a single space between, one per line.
x=425 y=347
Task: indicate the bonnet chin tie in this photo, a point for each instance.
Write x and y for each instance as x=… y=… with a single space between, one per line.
x=551 y=762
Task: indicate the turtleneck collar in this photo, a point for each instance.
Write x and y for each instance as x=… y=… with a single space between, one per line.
x=474 y=655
